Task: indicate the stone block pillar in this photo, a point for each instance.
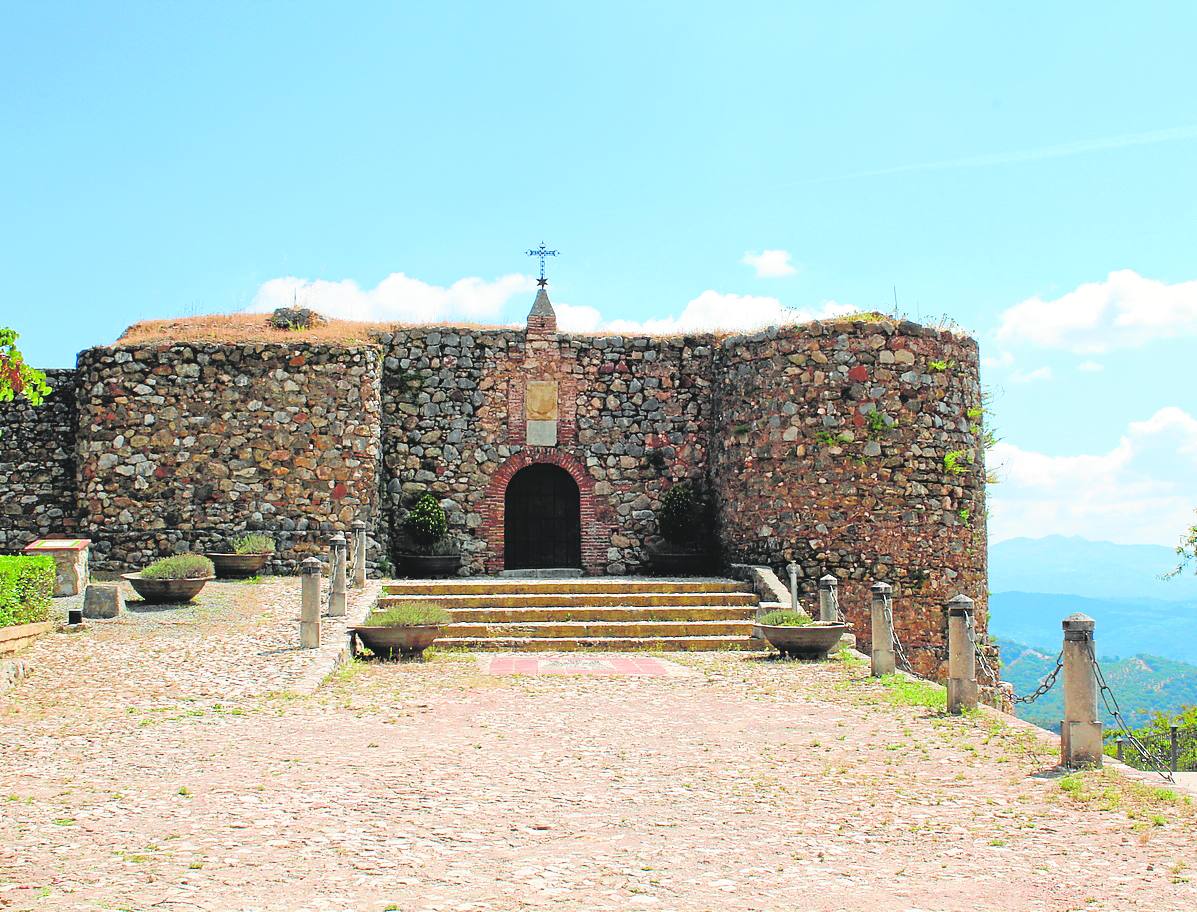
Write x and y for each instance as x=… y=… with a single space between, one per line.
x=962 y=655
x=792 y=570
x=309 y=613
x=338 y=558
x=884 y=662
x=359 y=554
x=829 y=599
x=1080 y=730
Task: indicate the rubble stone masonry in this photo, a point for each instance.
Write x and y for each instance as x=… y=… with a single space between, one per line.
x=850 y=446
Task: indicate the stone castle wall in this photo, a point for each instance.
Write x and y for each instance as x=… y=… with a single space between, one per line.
x=37 y=466
x=831 y=453
x=182 y=447
x=826 y=443
x=635 y=415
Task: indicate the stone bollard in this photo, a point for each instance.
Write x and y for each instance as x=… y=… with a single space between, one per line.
x=359 y=554
x=829 y=612
x=792 y=569
x=1080 y=730
x=309 y=612
x=883 y=631
x=339 y=555
x=962 y=656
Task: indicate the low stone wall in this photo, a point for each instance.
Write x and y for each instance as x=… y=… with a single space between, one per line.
x=182 y=447
x=37 y=466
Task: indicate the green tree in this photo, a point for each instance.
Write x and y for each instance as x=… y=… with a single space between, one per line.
x=1186 y=551
x=1156 y=736
x=16 y=377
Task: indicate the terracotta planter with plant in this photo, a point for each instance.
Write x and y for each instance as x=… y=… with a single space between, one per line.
x=172 y=579
x=797 y=636
x=429 y=550
x=249 y=555
x=402 y=631
x=681 y=549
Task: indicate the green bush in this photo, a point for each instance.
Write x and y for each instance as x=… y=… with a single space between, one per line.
x=780 y=618
x=180 y=566
x=680 y=518
x=253 y=543
x=426 y=523
x=26 y=588
x=409 y=614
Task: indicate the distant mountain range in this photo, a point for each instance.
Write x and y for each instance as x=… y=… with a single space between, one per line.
x=1143 y=684
x=1150 y=622
x=1035 y=583
x=1062 y=565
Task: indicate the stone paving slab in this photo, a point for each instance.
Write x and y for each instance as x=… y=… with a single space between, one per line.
x=166 y=763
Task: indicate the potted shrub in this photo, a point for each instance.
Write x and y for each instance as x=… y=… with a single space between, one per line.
x=682 y=524
x=429 y=550
x=172 y=579
x=406 y=629
x=795 y=635
x=249 y=555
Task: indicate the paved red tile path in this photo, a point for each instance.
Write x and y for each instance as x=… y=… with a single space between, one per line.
x=131 y=781
x=568 y=664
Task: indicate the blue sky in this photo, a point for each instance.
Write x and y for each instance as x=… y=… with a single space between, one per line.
x=1027 y=170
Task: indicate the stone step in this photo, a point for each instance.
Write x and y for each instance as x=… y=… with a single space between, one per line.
x=577 y=599
x=487 y=585
x=592 y=613
x=575 y=630
x=602 y=644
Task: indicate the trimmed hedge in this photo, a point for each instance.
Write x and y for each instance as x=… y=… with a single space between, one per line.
x=26 y=588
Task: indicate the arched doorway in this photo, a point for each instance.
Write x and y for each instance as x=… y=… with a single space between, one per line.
x=542 y=524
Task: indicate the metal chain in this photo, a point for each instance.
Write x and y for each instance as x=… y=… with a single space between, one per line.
x=982 y=660
x=1045 y=685
x=835 y=603
x=1112 y=707
x=899 y=649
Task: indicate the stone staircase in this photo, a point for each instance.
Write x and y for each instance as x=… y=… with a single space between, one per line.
x=616 y=614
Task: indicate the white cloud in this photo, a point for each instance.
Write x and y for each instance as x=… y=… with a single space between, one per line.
x=711 y=310
x=1005 y=359
x=1124 y=311
x=770 y=264
x=1090 y=367
x=1039 y=373
x=1141 y=491
x=577 y=318
x=398 y=297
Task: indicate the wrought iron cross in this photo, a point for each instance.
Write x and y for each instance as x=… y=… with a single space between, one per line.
x=542 y=252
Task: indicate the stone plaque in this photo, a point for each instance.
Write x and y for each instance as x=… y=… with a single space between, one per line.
x=540 y=411
x=540 y=400
x=542 y=433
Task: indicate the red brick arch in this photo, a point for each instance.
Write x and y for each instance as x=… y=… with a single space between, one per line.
x=597 y=526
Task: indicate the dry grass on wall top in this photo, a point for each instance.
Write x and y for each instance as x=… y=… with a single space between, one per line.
x=244 y=327
x=231 y=328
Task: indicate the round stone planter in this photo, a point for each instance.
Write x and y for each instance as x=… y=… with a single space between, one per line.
x=163 y=591
x=813 y=641
x=673 y=560
x=237 y=566
x=425 y=566
x=394 y=642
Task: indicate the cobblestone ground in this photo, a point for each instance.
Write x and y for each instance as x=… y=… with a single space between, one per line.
x=158 y=763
